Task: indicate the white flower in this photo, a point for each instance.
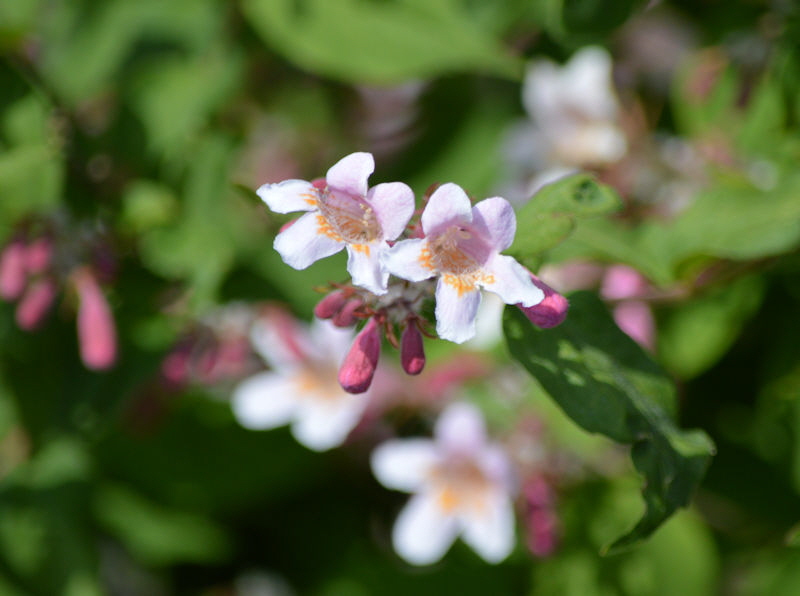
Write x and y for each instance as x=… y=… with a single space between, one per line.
x=302 y=387
x=461 y=247
x=462 y=486
x=342 y=212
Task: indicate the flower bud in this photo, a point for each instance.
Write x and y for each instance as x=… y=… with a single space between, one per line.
x=38 y=255
x=412 y=350
x=330 y=305
x=346 y=316
x=12 y=271
x=35 y=303
x=97 y=333
x=358 y=368
x=551 y=311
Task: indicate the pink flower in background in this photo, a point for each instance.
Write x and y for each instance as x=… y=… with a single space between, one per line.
x=461 y=485
x=625 y=285
x=97 y=335
x=461 y=247
x=302 y=386
x=13 y=274
x=342 y=212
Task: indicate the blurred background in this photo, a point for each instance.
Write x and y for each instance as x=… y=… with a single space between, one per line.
x=136 y=256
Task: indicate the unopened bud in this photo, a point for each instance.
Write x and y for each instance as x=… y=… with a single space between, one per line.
x=551 y=311
x=97 y=333
x=38 y=255
x=346 y=317
x=412 y=350
x=35 y=302
x=12 y=270
x=358 y=368
x=330 y=305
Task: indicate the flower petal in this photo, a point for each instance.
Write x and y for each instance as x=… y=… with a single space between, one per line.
x=265 y=400
x=448 y=204
x=403 y=464
x=496 y=220
x=394 y=205
x=350 y=173
x=511 y=281
x=456 y=310
x=460 y=429
x=303 y=243
x=288 y=196
x=407 y=260
x=365 y=267
x=321 y=424
x=280 y=340
x=491 y=535
x=422 y=534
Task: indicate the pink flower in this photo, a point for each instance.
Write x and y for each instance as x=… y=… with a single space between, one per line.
x=462 y=247
x=97 y=333
x=342 y=212
x=462 y=486
x=13 y=275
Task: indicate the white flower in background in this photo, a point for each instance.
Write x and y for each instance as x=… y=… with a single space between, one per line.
x=462 y=486
x=302 y=387
x=342 y=212
x=461 y=247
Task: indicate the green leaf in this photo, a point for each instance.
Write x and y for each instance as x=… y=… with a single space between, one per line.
x=605 y=382
x=552 y=213
x=578 y=22
x=379 y=42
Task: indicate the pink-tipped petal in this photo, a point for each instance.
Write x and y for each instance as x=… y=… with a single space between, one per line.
x=394 y=205
x=365 y=267
x=551 y=311
x=448 y=204
x=289 y=196
x=455 y=312
x=350 y=173
x=358 y=368
x=407 y=260
x=496 y=221
x=12 y=271
x=412 y=349
x=305 y=242
x=38 y=255
x=512 y=282
x=423 y=533
x=97 y=334
x=35 y=303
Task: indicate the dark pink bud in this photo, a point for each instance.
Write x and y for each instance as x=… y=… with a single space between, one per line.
x=12 y=270
x=542 y=532
x=358 y=368
x=97 y=334
x=38 y=255
x=412 y=350
x=35 y=302
x=346 y=316
x=549 y=312
x=330 y=305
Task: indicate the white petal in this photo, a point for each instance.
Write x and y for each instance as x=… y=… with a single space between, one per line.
x=365 y=267
x=448 y=204
x=394 y=205
x=491 y=535
x=330 y=343
x=456 y=310
x=323 y=424
x=405 y=260
x=266 y=400
x=422 y=533
x=288 y=196
x=496 y=221
x=511 y=281
x=588 y=84
x=350 y=173
x=460 y=429
x=403 y=464
x=280 y=340
x=302 y=243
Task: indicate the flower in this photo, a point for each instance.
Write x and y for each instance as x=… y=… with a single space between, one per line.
x=302 y=387
x=461 y=246
x=342 y=212
x=462 y=485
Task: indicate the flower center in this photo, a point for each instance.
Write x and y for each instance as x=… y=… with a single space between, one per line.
x=460 y=485
x=319 y=382
x=348 y=218
x=457 y=251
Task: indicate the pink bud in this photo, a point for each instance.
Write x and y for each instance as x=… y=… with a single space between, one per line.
x=38 y=255
x=551 y=311
x=97 y=333
x=358 y=368
x=12 y=270
x=635 y=318
x=412 y=350
x=330 y=305
x=621 y=282
x=346 y=317
x=35 y=303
